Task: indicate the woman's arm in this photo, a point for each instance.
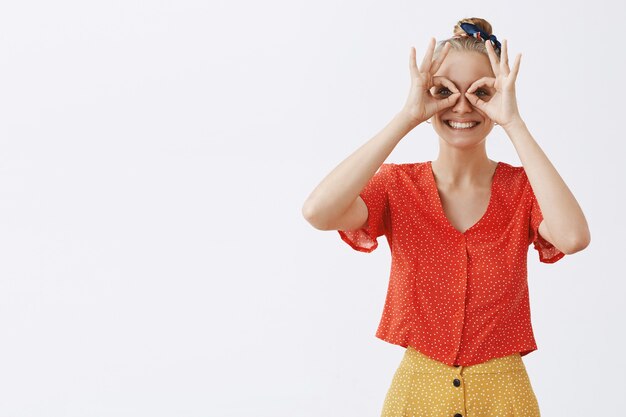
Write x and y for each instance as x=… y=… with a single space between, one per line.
x=335 y=203
x=564 y=224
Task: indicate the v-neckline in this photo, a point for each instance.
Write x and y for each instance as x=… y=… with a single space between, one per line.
x=439 y=204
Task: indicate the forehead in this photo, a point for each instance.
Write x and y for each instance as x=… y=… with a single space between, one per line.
x=465 y=67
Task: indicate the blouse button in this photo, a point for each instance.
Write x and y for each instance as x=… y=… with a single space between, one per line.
x=456 y=382
x=458 y=415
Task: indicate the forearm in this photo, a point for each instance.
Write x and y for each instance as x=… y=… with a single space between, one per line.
x=338 y=190
x=562 y=214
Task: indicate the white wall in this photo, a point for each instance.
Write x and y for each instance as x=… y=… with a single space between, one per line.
x=154 y=157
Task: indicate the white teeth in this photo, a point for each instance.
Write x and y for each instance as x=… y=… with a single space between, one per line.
x=456 y=125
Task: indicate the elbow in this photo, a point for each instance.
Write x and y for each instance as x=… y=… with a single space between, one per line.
x=307 y=211
x=578 y=243
x=312 y=215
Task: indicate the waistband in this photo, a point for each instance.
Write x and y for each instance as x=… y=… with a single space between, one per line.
x=416 y=361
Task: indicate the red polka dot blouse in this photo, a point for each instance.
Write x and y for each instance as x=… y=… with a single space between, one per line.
x=458 y=297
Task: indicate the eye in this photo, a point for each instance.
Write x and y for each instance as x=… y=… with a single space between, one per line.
x=481 y=92
x=443 y=91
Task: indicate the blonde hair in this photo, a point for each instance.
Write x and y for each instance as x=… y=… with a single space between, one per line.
x=461 y=41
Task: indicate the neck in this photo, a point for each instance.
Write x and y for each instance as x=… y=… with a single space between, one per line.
x=461 y=169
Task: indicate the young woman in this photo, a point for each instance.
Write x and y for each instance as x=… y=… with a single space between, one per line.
x=459 y=229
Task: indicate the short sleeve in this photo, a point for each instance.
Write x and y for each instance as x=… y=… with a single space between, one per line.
x=376 y=198
x=548 y=253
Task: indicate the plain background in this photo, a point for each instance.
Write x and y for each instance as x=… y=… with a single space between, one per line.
x=154 y=160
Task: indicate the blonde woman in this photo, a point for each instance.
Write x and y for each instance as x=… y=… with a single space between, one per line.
x=459 y=229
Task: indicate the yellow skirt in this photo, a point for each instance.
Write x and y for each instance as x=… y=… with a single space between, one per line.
x=425 y=387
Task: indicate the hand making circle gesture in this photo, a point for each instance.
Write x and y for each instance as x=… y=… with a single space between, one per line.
x=502 y=106
x=421 y=104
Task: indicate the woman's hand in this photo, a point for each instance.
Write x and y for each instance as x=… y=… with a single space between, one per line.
x=421 y=104
x=501 y=105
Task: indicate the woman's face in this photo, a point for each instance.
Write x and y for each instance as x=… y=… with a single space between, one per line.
x=463 y=68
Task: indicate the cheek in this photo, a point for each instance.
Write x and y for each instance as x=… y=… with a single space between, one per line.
x=483 y=115
x=438 y=115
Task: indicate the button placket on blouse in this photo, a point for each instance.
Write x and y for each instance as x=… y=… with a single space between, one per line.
x=463 y=238
x=461 y=312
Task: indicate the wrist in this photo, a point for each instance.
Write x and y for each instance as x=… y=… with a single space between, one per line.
x=515 y=124
x=405 y=117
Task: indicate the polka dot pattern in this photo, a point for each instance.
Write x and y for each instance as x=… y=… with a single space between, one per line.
x=458 y=297
x=423 y=387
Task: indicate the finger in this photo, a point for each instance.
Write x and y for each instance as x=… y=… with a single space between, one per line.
x=413 y=63
x=482 y=82
x=427 y=61
x=504 y=58
x=440 y=82
x=515 y=69
x=493 y=58
x=448 y=102
x=475 y=100
x=437 y=62
x=443 y=81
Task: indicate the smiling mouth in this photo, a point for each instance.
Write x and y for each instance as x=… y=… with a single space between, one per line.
x=461 y=126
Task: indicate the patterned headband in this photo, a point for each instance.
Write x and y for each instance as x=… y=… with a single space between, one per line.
x=473 y=30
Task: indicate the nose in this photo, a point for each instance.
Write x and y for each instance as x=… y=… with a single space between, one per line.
x=462 y=105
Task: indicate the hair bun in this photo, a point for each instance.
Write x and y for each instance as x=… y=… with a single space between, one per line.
x=481 y=23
